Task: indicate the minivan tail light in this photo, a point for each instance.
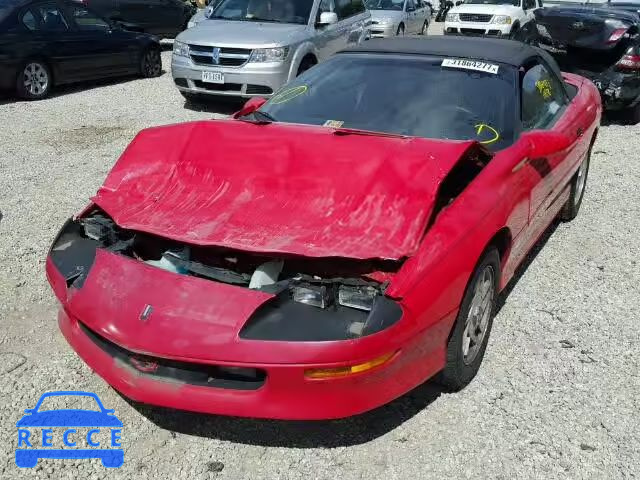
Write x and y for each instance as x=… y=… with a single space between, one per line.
x=617 y=34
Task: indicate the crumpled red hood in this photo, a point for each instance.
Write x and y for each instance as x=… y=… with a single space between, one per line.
x=278 y=188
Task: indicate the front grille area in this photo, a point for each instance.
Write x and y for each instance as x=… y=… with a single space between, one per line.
x=218 y=87
x=258 y=90
x=199 y=374
x=471 y=31
x=228 y=57
x=475 y=17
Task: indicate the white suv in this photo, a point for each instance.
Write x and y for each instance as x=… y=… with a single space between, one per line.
x=496 y=18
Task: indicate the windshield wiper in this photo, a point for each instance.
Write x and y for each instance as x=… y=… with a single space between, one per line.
x=261 y=118
x=222 y=17
x=258 y=19
x=357 y=131
x=264 y=116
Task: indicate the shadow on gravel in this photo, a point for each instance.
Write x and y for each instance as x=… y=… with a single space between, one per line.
x=296 y=434
x=542 y=241
x=222 y=106
x=76 y=87
x=621 y=118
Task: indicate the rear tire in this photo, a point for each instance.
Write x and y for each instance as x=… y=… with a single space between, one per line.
x=578 y=186
x=468 y=340
x=34 y=80
x=151 y=63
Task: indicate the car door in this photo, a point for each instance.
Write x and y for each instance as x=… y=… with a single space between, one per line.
x=421 y=15
x=134 y=13
x=105 y=51
x=58 y=42
x=164 y=17
x=411 y=14
x=328 y=39
x=546 y=106
x=351 y=18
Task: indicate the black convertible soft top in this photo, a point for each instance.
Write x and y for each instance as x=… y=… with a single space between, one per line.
x=493 y=49
x=508 y=52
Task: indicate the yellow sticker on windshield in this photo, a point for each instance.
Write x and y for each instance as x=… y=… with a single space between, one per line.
x=545 y=88
x=479 y=129
x=288 y=94
x=333 y=123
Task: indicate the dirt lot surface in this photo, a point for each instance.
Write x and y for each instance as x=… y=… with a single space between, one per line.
x=558 y=395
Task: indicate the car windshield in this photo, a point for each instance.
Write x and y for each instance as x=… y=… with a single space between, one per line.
x=402 y=95
x=493 y=2
x=276 y=11
x=69 y=402
x=385 y=5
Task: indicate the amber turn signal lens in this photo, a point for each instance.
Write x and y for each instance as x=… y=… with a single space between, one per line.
x=349 y=369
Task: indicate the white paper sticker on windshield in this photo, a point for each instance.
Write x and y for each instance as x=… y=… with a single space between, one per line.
x=470 y=65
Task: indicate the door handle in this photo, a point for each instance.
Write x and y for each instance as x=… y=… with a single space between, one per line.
x=580 y=131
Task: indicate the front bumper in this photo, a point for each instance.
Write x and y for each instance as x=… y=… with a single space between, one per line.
x=477 y=29
x=286 y=393
x=383 y=31
x=248 y=80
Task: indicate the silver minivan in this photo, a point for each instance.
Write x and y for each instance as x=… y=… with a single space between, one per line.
x=248 y=48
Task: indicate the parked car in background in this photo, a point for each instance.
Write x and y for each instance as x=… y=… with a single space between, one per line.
x=252 y=47
x=398 y=17
x=599 y=41
x=495 y=18
x=45 y=43
x=164 y=18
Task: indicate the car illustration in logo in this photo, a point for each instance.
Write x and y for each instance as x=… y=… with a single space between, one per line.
x=70 y=435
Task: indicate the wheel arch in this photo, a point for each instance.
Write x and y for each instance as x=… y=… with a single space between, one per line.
x=305 y=50
x=502 y=240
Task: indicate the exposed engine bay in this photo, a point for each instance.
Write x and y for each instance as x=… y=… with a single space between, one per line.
x=354 y=288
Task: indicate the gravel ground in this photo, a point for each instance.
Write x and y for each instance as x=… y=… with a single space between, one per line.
x=557 y=396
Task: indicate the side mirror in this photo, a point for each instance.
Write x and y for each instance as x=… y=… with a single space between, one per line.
x=327 y=18
x=29 y=410
x=544 y=142
x=251 y=106
x=458 y=3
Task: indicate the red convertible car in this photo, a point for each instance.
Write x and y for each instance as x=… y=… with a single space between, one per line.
x=326 y=251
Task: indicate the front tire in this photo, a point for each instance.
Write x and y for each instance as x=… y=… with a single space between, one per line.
x=34 y=80
x=470 y=334
x=425 y=26
x=400 y=31
x=151 y=63
x=578 y=185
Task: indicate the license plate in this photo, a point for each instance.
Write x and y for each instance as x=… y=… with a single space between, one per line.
x=212 y=77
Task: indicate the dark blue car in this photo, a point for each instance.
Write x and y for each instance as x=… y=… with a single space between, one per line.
x=105 y=418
